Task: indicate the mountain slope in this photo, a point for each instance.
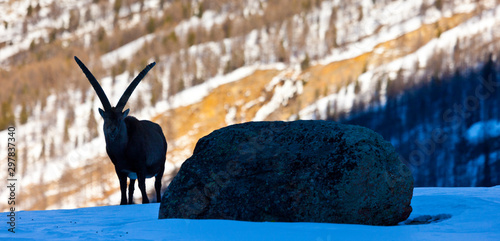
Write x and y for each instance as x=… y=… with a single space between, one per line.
x=218 y=63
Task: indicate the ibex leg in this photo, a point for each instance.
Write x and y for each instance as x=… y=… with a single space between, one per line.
x=131 y=191
x=123 y=187
x=158 y=185
x=142 y=185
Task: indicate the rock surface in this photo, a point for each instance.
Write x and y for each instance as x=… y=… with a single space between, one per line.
x=301 y=171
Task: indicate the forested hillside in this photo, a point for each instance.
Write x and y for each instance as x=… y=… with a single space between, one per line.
x=446 y=128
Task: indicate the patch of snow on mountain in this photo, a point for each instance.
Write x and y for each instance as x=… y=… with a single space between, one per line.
x=125 y=52
x=483 y=129
x=285 y=88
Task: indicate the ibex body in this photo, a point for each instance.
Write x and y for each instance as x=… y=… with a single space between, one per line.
x=137 y=148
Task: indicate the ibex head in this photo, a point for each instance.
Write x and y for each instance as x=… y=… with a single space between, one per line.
x=113 y=116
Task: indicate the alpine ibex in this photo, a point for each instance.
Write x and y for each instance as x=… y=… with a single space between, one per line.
x=136 y=148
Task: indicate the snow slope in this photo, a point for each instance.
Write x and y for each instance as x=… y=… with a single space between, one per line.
x=475 y=215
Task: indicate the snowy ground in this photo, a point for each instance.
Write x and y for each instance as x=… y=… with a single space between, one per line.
x=474 y=214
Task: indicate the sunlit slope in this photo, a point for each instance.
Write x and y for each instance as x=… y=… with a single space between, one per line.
x=241 y=100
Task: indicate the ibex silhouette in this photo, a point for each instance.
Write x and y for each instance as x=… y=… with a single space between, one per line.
x=137 y=148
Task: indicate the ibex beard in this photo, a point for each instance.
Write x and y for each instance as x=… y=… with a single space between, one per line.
x=137 y=148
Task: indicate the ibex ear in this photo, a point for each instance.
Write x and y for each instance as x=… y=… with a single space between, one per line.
x=103 y=114
x=125 y=113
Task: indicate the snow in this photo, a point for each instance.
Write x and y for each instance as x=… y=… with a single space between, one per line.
x=282 y=93
x=208 y=19
x=476 y=133
x=344 y=100
x=196 y=93
x=38 y=27
x=395 y=19
x=466 y=214
x=126 y=51
x=13 y=13
x=231 y=115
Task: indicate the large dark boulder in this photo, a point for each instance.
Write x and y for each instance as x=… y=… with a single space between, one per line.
x=301 y=171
